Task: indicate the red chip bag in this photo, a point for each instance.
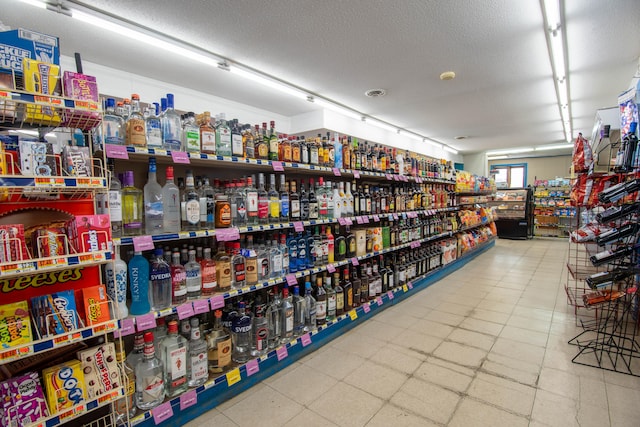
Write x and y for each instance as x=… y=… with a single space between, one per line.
x=582 y=154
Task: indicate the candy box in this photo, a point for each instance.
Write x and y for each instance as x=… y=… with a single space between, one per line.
x=49 y=241
x=56 y=313
x=43 y=78
x=95 y=305
x=64 y=385
x=84 y=90
x=22 y=401
x=76 y=161
x=15 y=325
x=90 y=233
x=21 y=43
x=37 y=159
x=101 y=373
x=13 y=246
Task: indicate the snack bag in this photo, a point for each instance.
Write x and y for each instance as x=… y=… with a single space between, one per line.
x=582 y=155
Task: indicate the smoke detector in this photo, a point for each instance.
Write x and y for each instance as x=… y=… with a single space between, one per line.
x=374 y=93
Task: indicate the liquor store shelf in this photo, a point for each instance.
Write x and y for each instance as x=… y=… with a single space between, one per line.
x=61 y=340
x=198 y=401
x=61 y=184
x=79 y=410
x=50 y=264
x=202 y=159
x=225 y=232
x=147 y=321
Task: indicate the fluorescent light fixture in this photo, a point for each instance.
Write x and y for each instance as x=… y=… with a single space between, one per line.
x=450 y=150
x=381 y=125
x=553 y=147
x=36 y=3
x=497 y=157
x=510 y=151
x=24 y=132
x=335 y=107
x=552 y=13
x=557 y=51
x=410 y=135
x=273 y=84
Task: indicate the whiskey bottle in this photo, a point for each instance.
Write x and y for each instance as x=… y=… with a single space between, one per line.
x=218 y=346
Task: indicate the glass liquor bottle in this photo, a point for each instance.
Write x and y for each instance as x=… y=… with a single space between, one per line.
x=296 y=152
x=331 y=298
x=191 y=133
x=252 y=202
x=207 y=134
x=194 y=276
x=173 y=354
x=284 y=200
x=286 y=312
x=208 y=271
x=263 y=201
x=218 y=345
x=321 y=302
x=274 y=318
x=313 y=202
x=274 y=201
x=160 y=282
x=113 y=128
x=294 y=202
x=139 y=284
x=276 y=259
x=223 y=137
x=116 y=278
x=356 y=286
x=238 y=205
x=304 y=202
x=237 y=145
x=260 y=333
x=285 y=149
x=347 y=289
x=339 y=290
x=178 y=280
x=304 y=150
x=264 y=262
x=310 y=308
x=330 y=245
x=150 y=384
x=153 y=127
x=251 y=261
x=238 y=266
x=340 y=246
x=314 y=153
x=249 y=142
x=241 y=334
x=262 y=145
x=170 y=204
x=198 y=366
x=171 y=126
x=192 y=204
x=132 y=207
x=207 y=203
x=135 y=125
x=274 y=148
x=114 y=201
x=223 y=269
x=153 y=203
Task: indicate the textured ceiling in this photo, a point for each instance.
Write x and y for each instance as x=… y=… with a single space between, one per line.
x=503 y=95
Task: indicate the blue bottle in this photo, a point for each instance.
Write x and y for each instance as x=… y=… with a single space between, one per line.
x=302 y=252
x=160 y=282
x=292 y=244
x=311 y=252
x=139 y=284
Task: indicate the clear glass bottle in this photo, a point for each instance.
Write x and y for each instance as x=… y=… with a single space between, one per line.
x=171 y=127
x=260 y=333
x=160 y=282
x=132 y=207
x=207 y=134
x=304 y=202
x=238 y=202
x=321 y=302
x=263 y=201
x=192 y=204
x=153 y=202
x=194 y=277
x=286 y=313
x=116 y=275
x=331 y=299
x=223 y=137
x=150 y=384
x=274 y=317
x=241 y=334
x=113 y=128
x=173 y=354
x=198 y=364
x=274 y=201
x=114 y=201
x=251 y=194
x=218 y=345
x=170 y=204
x=238 y=266
x=135 y=125
x=294 y=202
x=191 y=133
x=208 y=270
x=237 y=145
x=153 y=127
x=299 y=312
x=178 y=280
x=263 y=262
x=310 y=308
x=314 y=208
x=251 y=261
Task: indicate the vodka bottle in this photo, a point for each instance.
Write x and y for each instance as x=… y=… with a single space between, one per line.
x=223 y=137
x=286 y=313
x=299 y=312
x=153 y=202
x=198 y=365
x=313 y=202
x=284 y=200
x=252 y=202
x=330 y=200
x=153 y=127
x=114 y=202
x=178 y=280
x=173 y=354
x=241 y=335
x=160 y=282
x=218 y=345
x=303 y=252
x=310 y=308
x=274 y=201
x=274 y=318
x=207 y=205
x=263 y=262
x=331 y=299
x=132 y=207
x=238 y=266
x=116 y=273
x=208 y=271
x=238 y=201
x=191 y=133
x=139 y=284
x=150 y=385
x=260 y=333
x=192 y=204
x=170 y=204
x=113 y=129
x=171 y=127
x=194 y=277
x=263 y=201
x=284 y=250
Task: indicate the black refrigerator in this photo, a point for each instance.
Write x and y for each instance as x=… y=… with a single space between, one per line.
x=514 y=209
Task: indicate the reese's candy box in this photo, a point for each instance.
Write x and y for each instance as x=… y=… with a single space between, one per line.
x=95 y=305
x=64 y=385
x=15 y=326
x=22 y=401
x=100 y=369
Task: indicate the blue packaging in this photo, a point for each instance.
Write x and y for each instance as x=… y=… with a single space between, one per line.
x=18 y=44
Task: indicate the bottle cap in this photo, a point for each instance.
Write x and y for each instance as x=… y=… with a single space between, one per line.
x=135 y=97
x=111 y=103
x=148 y=337
x=173 y=326
x=158 y=252
x=218 y=314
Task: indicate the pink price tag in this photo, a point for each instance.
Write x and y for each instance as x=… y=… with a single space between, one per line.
x=379 y=301
x=282 y=353
x=162 y=412
x=277 y=166
x=376 y=218
x=355 y=261
x=404 y=178
x=127 y=327
x=190 y=398
x=305 y=339
x=227 y=234
x=252 y=367
x=395 y=216
x=410 y=285
x=356 y=174
x=390 y=295
x=389 y=177
x=185 y=311
x=331 y=268
x=217 y=302
x=116 y=151
x=359 y=219
x=143 y=243
x=298 y=226
x=200 y=306
x=146 y=321
x=342 y=221
x=396 y=178
x=366 y=308
x=336 y=172
x=291 y=279
x=365 y=219
x=348 y=221
x=180 y=157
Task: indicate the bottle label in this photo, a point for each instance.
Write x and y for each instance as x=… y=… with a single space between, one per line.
x=284 y=209
x=208 y=141
x=277 y=263
x=263 y=150
x=314 y=156
x=239 y=272
x=224 y=214
x=252 y=203
x=223 y=146
x=237 y=148
x=274 y=208
x=313 y=210
x=273 y=147
x=209 y=277
x=288 y=320
x=224 y=353
x=115 y=205
x=193 y=212
x=295 y=154
x=339 y=301
x=241 y=209
x=153 y=388
x=252 y=270
x=261 y=336
x=263 y=264
x=295 y=208
x=136 y=133
x=199 y=367
x=223 y=272
x=321 y=310
x=331 y=304
x=153 y=210
x=192 y=138
x=178 y=368
x=263 y=208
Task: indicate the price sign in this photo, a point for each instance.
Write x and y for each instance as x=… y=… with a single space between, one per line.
x=410 y=285
x=353 y=315
x=366 y=308
x=305 y=339
x=282 y=353
x=379 y=301
x=336 y=172
x=342 y=221
x=405 y=288
x=143 y=243
x=200 y=306
x=390 y=295
x=355 y=261
x=365 y=219
x=348 y=221
x=227 y=234
x=395 y=216
x=277 y=166
x=331 y=268
x=359 y=220
x=376 y=218
x=389 y=177
x=127 y=327
x=146 y=321
x=291 y=279
x=189 y=398
x=396 y=178
x=180 y=157
x=162 y=412
x=252 y=367
x=217 y=302
x=233 y=377
x=116 y=151
x=298 y=226
x=356 y=174
x=185 y=311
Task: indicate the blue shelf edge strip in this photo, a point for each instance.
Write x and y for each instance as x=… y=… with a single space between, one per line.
x=215 y=395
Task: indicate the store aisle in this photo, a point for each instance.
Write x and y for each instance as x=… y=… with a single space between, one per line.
x=486 y=346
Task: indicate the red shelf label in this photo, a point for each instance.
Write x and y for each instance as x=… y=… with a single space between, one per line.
x=282 y=353
x=116 y=151
x=143 y=243
x=180 y=157
x=146 y=321
x=252 y=367
x=185 y=310
x=162 y=412
x=188 y=399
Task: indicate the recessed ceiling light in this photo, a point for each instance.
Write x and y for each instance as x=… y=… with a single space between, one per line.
x=448 y=75
x=459 y=137
x=373 y=93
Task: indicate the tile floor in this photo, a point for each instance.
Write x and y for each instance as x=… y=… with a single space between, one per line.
x=486 y=346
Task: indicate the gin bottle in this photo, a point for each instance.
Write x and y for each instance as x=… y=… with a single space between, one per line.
x=150 y=385
x=171 y=127
x=153 y=202
x=198 y=365
x=132 y=207
x=173 y=354
x=153 y=127
x=194 y=277
x=178 y=280
x=160 y=282
x=218 y=345
x=241 y=335
x=274 y=317
x=112 y=125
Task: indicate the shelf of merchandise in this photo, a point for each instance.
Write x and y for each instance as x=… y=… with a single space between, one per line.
x=198 y=401
x=62 y=184
x=56 y=263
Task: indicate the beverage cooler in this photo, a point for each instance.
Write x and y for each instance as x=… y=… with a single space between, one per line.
x=514 y=209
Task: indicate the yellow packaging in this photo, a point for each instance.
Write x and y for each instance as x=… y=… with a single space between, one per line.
x=15 y=325
x=44 y=78
x=376 y=237
x=64 y=386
